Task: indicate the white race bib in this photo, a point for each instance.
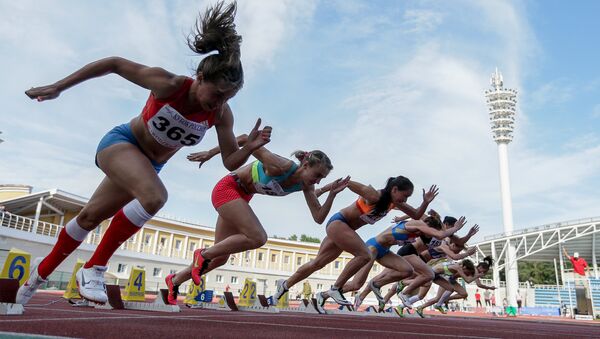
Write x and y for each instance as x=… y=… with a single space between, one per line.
x=271 y=188
x=170 y=129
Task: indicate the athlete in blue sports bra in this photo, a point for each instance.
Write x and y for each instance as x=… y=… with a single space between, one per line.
x=399 y=234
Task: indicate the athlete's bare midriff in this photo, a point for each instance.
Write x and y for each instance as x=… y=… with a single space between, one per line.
x=151 y=148
x=352 y=215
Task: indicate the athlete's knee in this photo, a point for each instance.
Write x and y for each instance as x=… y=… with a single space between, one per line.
x=462 y=294
x=428 y=275
x=258 y=239
x=363 y=257
x=152 y=203
x=88 y=219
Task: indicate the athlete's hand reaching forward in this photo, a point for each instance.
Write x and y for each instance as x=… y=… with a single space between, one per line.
x=43 y=93
x=258 y=138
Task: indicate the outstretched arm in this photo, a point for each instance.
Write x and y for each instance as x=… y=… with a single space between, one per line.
x=205 y=156
x=233 y=157
x=481 y=285
x=319 y=212
x=159 y=81
x=421 y=226
x=428 y=197
x=566 y=253
x=456 y=256
x=462 y=241
x=368 y=192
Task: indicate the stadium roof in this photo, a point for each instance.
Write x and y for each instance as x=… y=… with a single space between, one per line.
x=541 y=243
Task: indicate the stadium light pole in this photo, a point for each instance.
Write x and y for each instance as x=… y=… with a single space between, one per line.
x=501 y=104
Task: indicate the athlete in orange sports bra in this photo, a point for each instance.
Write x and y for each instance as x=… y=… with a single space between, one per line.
x=371 y=206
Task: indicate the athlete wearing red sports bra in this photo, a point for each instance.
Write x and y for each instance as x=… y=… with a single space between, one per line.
x=176 y=114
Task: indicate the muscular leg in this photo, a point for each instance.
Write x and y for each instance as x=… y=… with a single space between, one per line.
x=245 y=231
x=220 y=234
x=346 y=238
x=361 y=276
x=444 y=286
x=328 y=252
x=424 y=274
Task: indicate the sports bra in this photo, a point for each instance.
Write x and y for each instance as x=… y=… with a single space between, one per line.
x=169 y=127
x=266 y=184
x=402 y=235
x=367 y=211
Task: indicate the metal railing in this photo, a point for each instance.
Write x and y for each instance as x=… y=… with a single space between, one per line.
x=543 y=228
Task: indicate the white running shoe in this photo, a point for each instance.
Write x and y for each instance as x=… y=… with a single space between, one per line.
x=405 y=300
x=28 y=289
x=338 y=297
x=281 y=289
x=377 y=291
x=90 y=282
x=320 y=303
x=357 y=302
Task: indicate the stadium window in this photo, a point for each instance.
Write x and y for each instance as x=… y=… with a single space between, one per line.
x=147 y=239
x=177 y=244
x=337 y=265
x=163 y=241
x=232 y=260
x=260 y=256
x=286 y=259
x=319 y=286
x=273 y=257
x=121 y=268
x=247 y=255
x=157 y=272
x=219 y=278
x=192 y=246
x=299 y=261
x=234 y=280
x=172 y=271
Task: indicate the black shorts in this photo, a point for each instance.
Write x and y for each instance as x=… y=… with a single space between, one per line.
x=409 y=249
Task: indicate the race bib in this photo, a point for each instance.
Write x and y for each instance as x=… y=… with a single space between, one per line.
x=271 y=188
x=170 y=129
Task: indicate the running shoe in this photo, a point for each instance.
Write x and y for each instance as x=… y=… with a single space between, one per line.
x=377 y=291
x=281 y=289
x=405 y=300
x=90 y=282
x=399 y=288
x=381 y=307
x=173 y=290
x=357 y=302
x=320 y=303
x=338 y=297
x=27 y=290
x=399 y=311
x=441 y=309
x=199 y=265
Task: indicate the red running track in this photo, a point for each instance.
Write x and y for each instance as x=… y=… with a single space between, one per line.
x=61 y=319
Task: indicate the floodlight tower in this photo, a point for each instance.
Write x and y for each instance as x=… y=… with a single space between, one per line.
x=501 y=104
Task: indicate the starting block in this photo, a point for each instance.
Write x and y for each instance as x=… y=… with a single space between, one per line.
x=115 y=302
x=260 y=304
x=8 y=294
x=313 y=308
x=301 y=308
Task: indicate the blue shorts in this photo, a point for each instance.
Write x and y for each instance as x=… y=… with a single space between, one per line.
x=337 y=216
x=381 y=251
x=119 y=134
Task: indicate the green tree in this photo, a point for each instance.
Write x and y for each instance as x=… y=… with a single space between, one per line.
x=293 y=237
x=306 y=238
x=541 y=273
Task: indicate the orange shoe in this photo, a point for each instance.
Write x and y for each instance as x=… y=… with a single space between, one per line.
x=200 y=264
x=173 y=290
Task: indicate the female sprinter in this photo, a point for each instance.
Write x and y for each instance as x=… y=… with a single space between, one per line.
x=448 y=286
x=437 y=251
x=399 y=234
x=370 y=207
x=238 y=229
x=178 y=112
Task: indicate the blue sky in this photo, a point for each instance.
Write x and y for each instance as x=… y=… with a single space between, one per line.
x=385 y=88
